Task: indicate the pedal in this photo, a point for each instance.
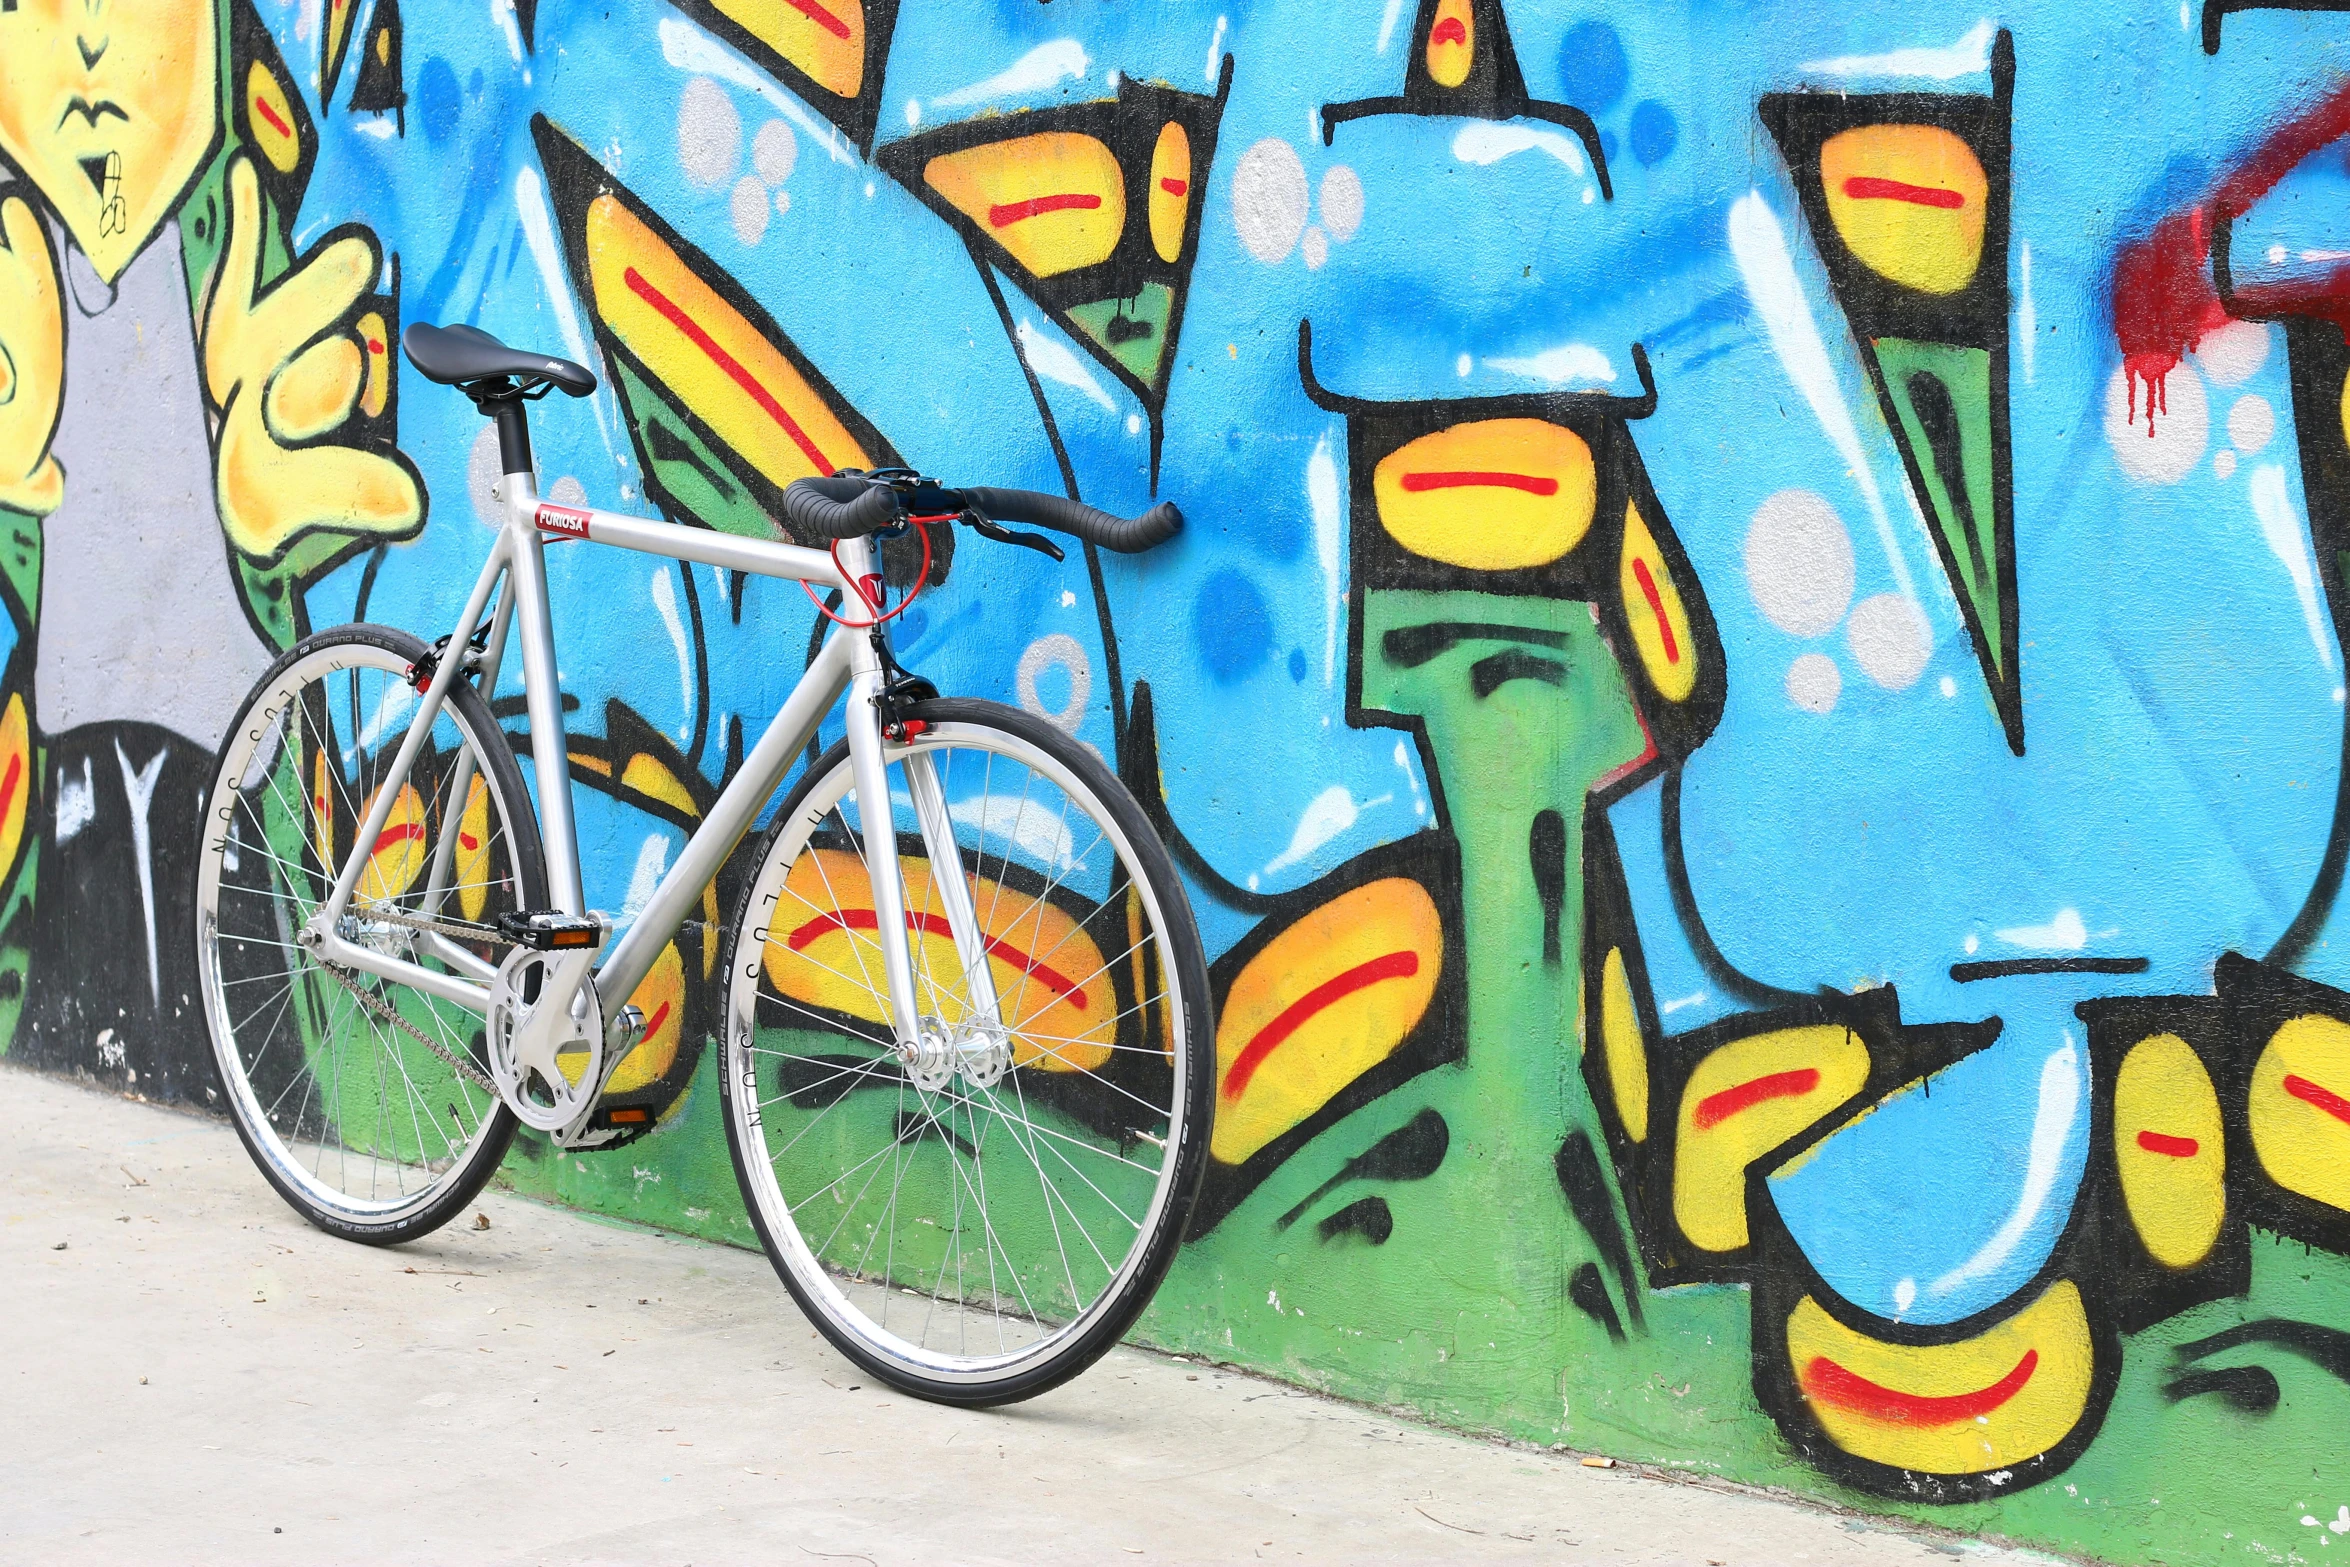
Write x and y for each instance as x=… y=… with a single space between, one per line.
x=550 y=930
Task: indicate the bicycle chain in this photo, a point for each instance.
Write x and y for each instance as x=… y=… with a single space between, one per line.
x=382 y=1009
x=452 y=928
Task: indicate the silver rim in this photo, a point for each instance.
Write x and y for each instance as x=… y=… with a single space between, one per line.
x=357 y=1116
x=972 y=1231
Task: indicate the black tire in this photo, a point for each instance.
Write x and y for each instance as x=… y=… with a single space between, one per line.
x=244 y=900
x=1165 y=946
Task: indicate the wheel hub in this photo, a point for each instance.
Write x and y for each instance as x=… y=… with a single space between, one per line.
x=981 y=1053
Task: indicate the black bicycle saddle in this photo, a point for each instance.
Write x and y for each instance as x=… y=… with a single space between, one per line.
x=455 y=355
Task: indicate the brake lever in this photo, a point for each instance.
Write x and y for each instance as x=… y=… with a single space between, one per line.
x=988 y=527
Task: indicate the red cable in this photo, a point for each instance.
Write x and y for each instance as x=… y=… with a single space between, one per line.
x=872 y=606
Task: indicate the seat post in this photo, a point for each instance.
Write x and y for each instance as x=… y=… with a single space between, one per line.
x=502 y=402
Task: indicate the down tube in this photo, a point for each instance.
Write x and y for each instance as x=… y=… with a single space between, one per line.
x=762 y=772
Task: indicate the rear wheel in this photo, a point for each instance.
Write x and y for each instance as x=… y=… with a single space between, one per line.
x=363 y=1100
x=978 y=1218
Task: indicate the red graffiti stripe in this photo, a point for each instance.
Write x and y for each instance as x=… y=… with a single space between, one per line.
x=1006 y=213
x=1714 y=1109
x=659 y=1017
x=725 y=361
x=399 y=832
x=1395 y=965
x=1656 y=604
x=821 y=17
x=2168 y=1146
x=266 y=112
x=468 y=842
x=1532 y=484
x=936 y=925
x=1448 y=31
x=2325 y=1099
x=1867 y=187
x=8 y=784
x=1173 y=186
x=1829 y=1383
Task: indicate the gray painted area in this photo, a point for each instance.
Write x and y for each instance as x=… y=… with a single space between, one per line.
x=192 y=1370
x=140 y=618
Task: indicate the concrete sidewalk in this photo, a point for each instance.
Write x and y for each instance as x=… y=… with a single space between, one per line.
x=195 y=1375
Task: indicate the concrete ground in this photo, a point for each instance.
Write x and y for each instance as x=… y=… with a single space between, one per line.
x=192 y=1374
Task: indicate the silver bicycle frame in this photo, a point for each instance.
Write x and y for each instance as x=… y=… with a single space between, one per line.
x=846 y=662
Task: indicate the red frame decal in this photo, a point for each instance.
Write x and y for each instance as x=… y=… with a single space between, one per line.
x=567 y=520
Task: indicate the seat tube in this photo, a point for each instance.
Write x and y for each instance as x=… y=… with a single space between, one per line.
x=542 y=693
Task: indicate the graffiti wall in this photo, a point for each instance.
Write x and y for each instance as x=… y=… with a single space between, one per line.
x=1753 y=705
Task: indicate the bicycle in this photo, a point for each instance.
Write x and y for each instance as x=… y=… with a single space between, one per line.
x=965 y=1049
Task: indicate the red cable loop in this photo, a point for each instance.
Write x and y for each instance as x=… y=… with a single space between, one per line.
x=872 y=607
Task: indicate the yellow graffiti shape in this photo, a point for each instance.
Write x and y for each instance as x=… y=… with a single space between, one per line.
x=660 y=996
x=32 y=363
x=1170 y=194
x=1322 y=1003
x=2300 y=1109
x=400 y=850
x=112 y=137
x=324 y=787
x=1055 y=200
x=702 y=349
x=2170 y=1150
x=1909 y=201
x=823 y=38
x=1742 y=1101
x=1492 y=495
x=2009 y=1394
x=276 y=129
x=1452 y=42
x=1652 y=603
x=16 y=779
x=472 y=859
x=1626 y=1054
x=270 y=493
x=1052 y=984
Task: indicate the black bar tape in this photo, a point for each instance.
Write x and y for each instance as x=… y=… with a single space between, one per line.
x=838 y=508
x=1127 y=536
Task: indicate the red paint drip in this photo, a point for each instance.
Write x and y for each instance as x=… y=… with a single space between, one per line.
x=1829 y=1383
x=399 y=832
x=1174 y=187
x=1714 y=1109
x=2168 y=1146
x=2164 y=300
x=1868 y=187
x=1656 y=605
x=1394 y=965
x=821 y=17
x=1448 y=31
x=1006 y=213
x=725 y=361
x=266 y=112
x=2325 y=1099
x=1532 y=484
x=936 y=925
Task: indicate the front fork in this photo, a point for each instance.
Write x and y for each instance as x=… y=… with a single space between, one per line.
x=877 y=811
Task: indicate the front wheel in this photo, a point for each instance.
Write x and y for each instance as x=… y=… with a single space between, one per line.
x=978 y=1218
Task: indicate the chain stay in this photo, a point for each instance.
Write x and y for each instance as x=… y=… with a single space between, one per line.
x=456 y=929
x=377 y=1005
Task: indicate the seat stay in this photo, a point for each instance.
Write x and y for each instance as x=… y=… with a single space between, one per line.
x=428 y=710
x=436 y=885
